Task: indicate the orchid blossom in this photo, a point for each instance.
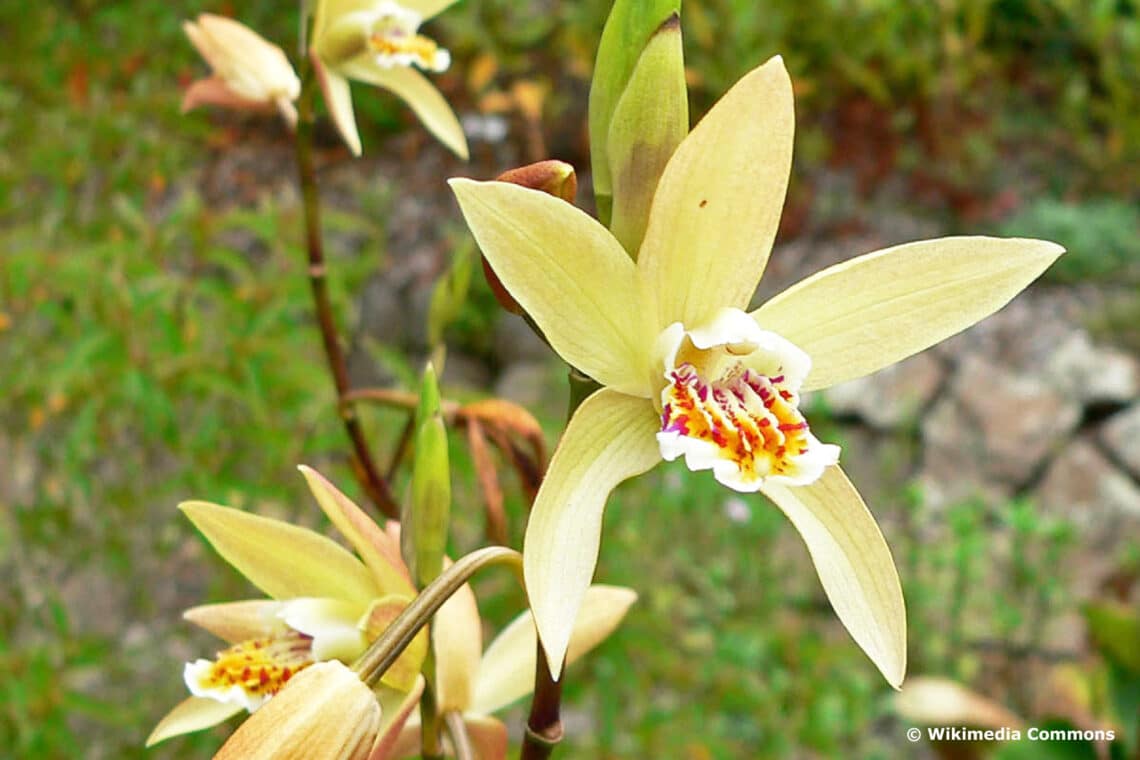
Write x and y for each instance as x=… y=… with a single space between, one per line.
x=476 y=684
x=378 y=42
x=248 y=72
x=325 y=605
x=688 y=373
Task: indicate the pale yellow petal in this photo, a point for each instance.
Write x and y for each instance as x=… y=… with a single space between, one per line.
x=192 y=714
x=427 y=8
x=338 y=101
x=380 y=553
x=508 y=663
x=282 y=560
x=862 y=315
x=457 y=639
x=238 y=621
x=718 y=203
x=610 y=438
x=418 y=92
x=399 y=734
x=854 y=565
x=324 y=712
x=570 y=275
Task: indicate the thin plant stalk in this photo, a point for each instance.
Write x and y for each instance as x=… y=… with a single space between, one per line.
x=364 y=466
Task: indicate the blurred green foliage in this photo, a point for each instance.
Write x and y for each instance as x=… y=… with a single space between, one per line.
x=156 y=345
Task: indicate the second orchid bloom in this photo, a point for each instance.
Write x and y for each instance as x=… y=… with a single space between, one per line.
x=689 y=373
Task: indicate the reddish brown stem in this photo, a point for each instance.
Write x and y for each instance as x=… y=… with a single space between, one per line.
x=363 y=464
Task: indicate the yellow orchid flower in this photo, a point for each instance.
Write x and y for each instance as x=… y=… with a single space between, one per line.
x=688 y=373
x=377 y=42
x=325 y=605
x=248 y=72
x=476 y=684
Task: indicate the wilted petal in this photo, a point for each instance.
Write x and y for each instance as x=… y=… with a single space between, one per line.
x=854 y=565
x=238 y=621
x=934 y=701
x=719 y=200
x=214 y=92
x=457 y=639
x=282 y=560
x=397 y=731
x=488 y=736
x=609 y=439
x=418 y=92
x=325 y=711
x=508 y=664
x=380 y=553
x=402 y=675
x=569 y=273
x=862 y=315
x=191 y=714
x=338 y=99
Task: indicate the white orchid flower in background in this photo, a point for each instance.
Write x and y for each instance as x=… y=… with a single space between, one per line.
x=249 y=73
x=378 y=42
x=688 y=373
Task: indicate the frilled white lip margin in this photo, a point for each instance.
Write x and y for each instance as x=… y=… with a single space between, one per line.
x=730 y=404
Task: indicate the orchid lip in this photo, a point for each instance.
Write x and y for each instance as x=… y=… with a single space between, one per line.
x=730 y=405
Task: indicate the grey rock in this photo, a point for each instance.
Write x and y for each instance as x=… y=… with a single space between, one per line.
x=892 y=397
x=516 y=342
x=532 y=384
x=1093 y=374
x=1121 y=434
x=993 y=432
x=1083 y=486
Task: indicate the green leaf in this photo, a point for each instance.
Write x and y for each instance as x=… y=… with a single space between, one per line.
x=628 y=29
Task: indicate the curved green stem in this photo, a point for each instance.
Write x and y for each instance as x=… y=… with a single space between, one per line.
x=386 y=649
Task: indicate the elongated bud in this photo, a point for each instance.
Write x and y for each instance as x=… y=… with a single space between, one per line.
x=630 y=25
x=423 y=540
x=553 y=177
x=325 y=712
x=449 y=294
x=649 y=122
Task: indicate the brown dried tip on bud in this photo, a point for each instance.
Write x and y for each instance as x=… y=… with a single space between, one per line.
x=553 y=177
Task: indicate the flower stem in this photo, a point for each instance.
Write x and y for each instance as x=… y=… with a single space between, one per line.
x=386 y=649
x=430 y=735
x=544 y=726
x=363 y=464
x=460 y=740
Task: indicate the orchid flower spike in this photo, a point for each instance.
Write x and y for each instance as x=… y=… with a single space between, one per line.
x=378 y=42
x=249 y=73
x=688 y=374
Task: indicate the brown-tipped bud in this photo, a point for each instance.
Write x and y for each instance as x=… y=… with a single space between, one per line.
x=553 y=177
